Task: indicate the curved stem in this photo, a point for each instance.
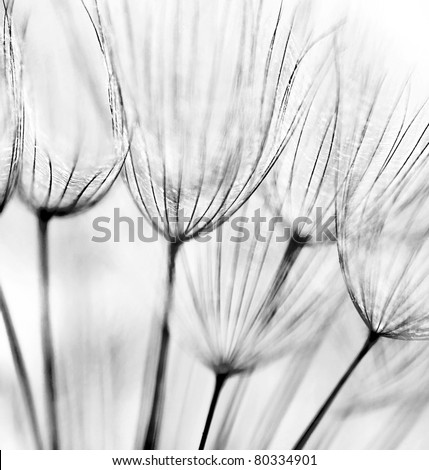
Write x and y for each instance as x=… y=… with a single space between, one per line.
x=47 y=340
x=369 y=343
x=220 y=382
x=293 y=249
x=152 y=433
x=21 y=370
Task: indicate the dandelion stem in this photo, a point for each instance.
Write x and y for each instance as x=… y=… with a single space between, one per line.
x=232 y=409
x=21 y=370
x=369 y=343
x=294 y=248
x=220 y=382
x=152 y=433
x=47 y=340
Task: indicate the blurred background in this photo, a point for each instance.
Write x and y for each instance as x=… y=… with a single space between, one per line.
x=104 y=295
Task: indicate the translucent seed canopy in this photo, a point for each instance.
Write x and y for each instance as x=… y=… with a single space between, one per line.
x=241 y=302
x=302 y=186
x=384 y=142
x=71 y=156
x=381 y=214
x=387 y=276
x=213 y=90
x=11 y=110
x=383 y=227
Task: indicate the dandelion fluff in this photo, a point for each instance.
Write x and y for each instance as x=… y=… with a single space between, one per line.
x=71 y=155
x=214 y=91
x=240 y=305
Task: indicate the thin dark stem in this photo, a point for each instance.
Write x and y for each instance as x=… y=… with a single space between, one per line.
x=231 y=412
x=47 y=340
x=220 y=382
x=152 y=433
x=369 y=343
x=294 y=248
x=21 y=371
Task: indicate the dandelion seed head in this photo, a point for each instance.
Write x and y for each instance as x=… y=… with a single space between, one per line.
x=71 y=156
x=389 y=284
x=213 y=93
x=382 y=238
x=241 y=304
